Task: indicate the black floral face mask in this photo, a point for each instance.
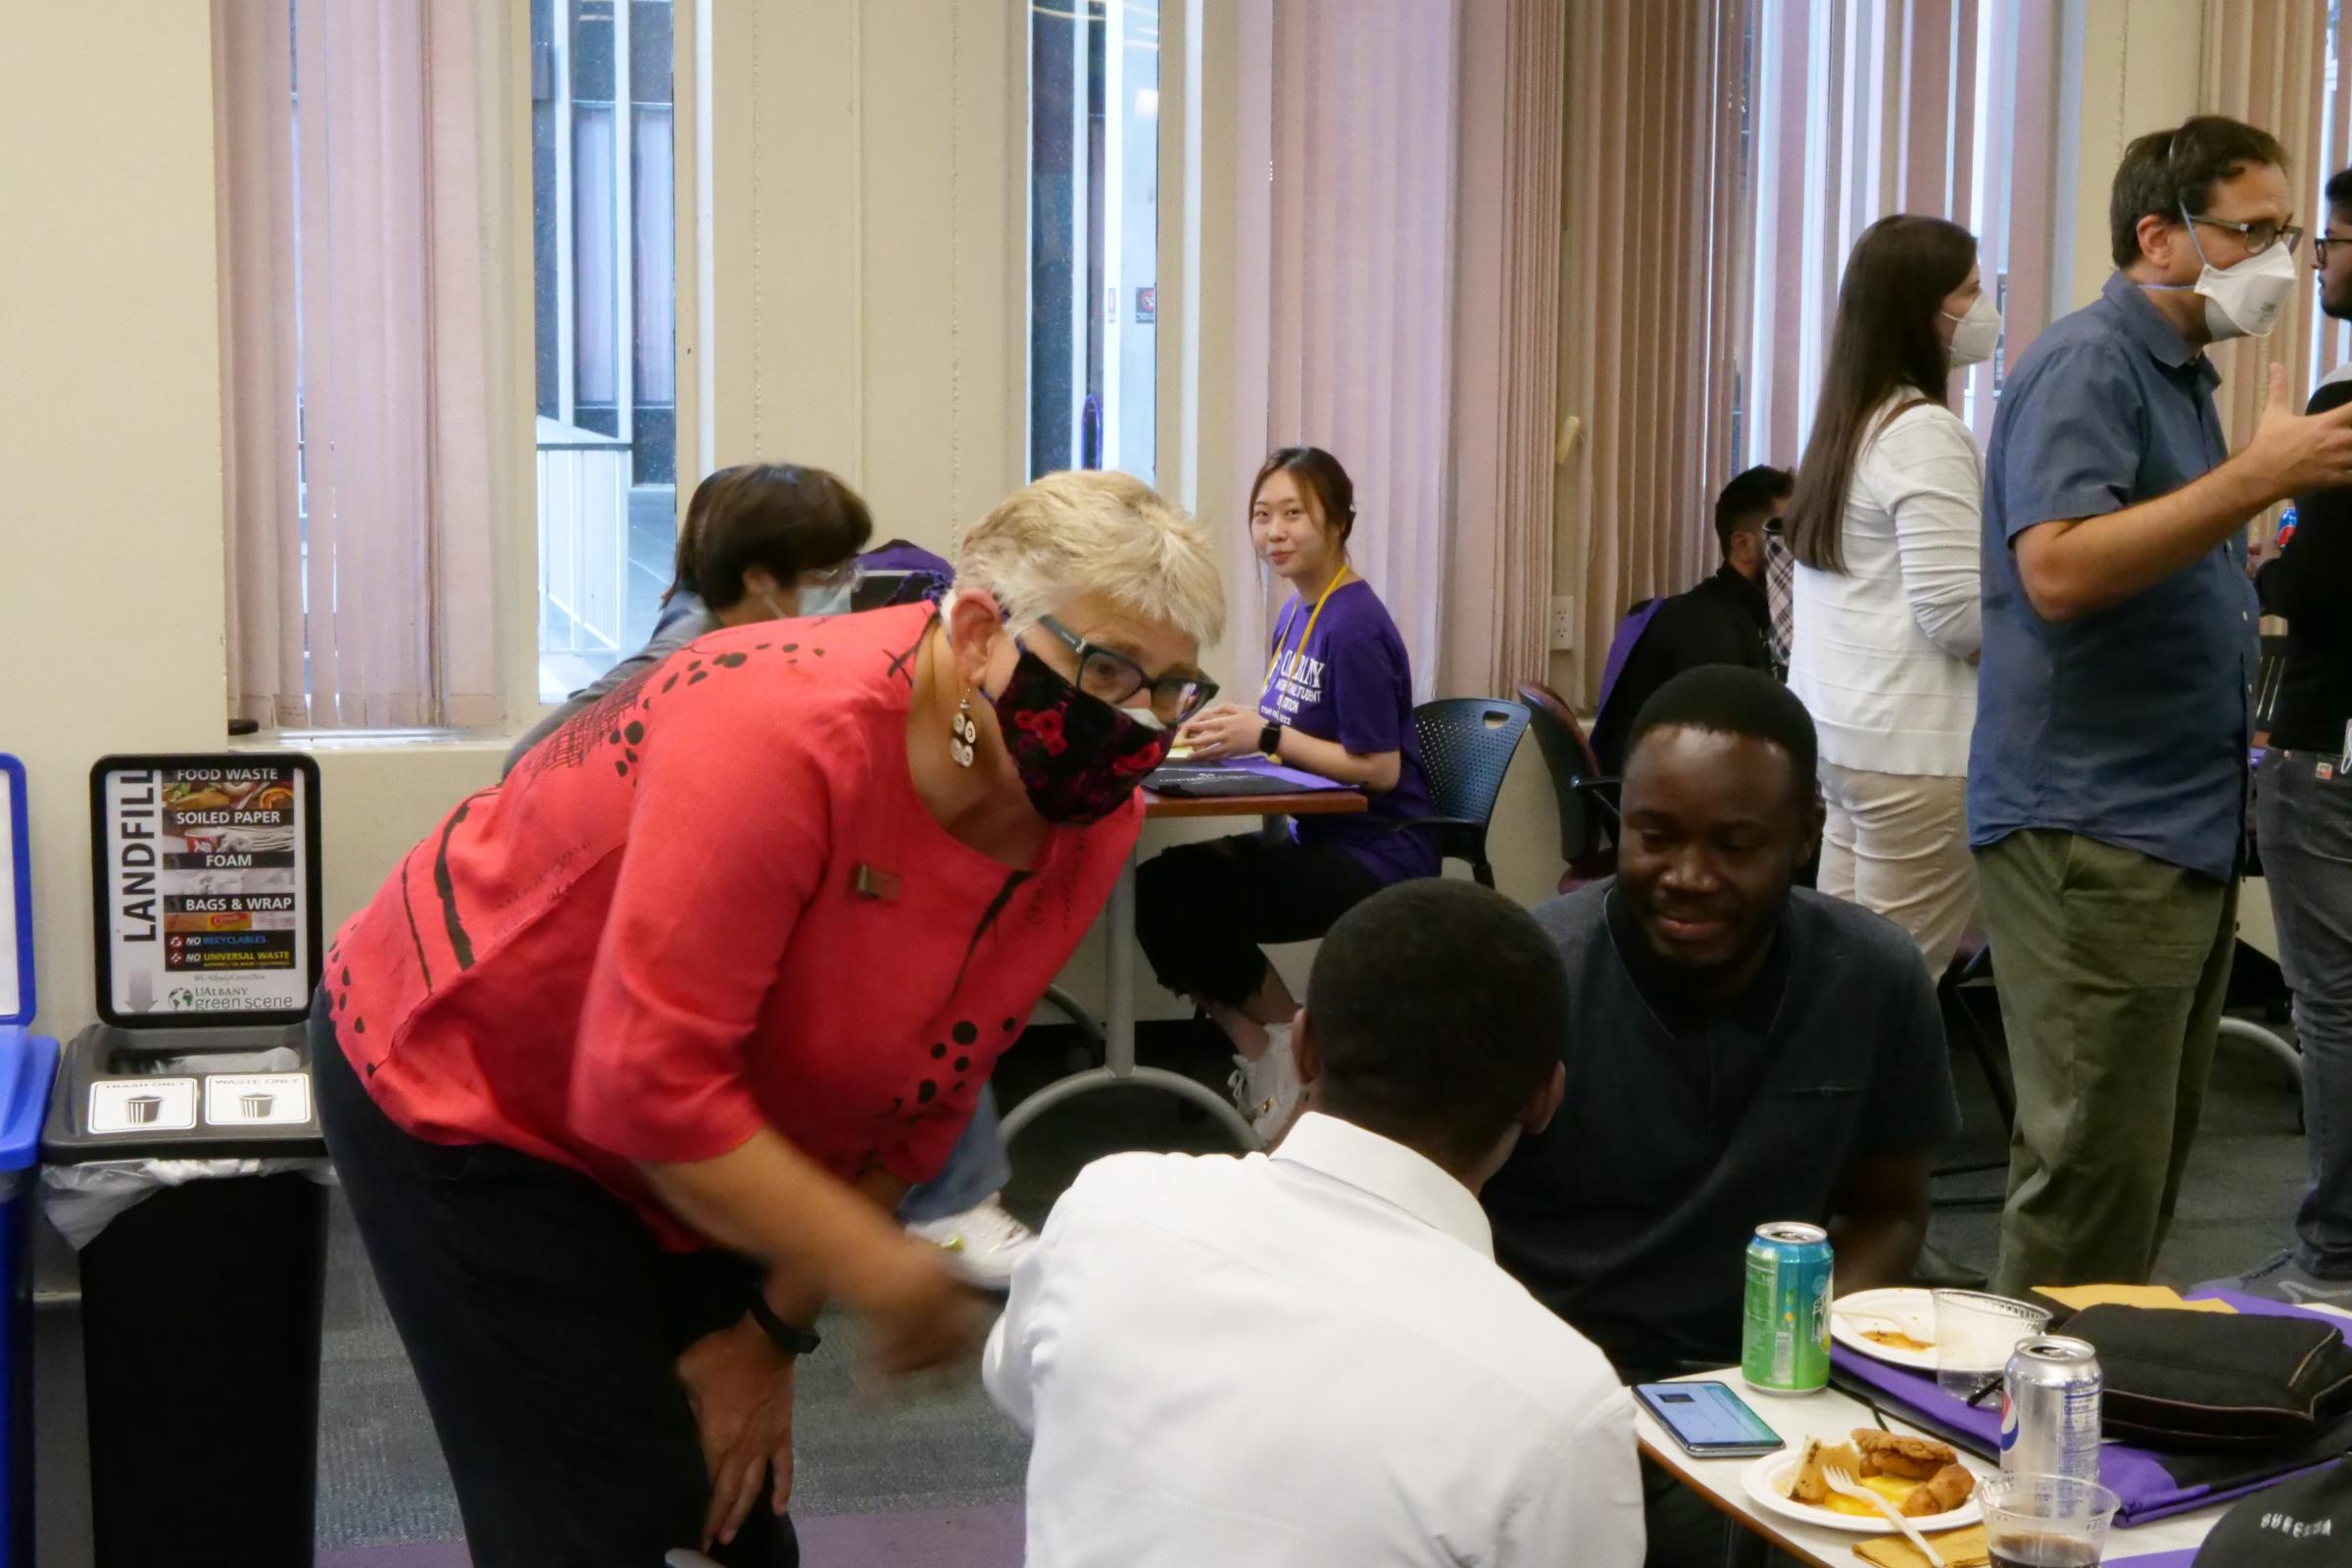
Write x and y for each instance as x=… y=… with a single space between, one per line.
x=1078 y=757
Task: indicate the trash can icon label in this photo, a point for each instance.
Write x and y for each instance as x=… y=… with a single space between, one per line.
x=257 y=1098
x=142 y=1105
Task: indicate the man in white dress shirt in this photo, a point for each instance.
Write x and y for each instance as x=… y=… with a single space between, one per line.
x=1310 y=1357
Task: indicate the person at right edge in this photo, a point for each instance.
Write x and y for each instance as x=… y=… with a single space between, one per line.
x=2108 y=771
x=2303 y=821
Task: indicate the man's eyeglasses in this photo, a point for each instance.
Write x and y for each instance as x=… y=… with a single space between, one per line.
x=2320 y=243
x=1116 y=680
x=2260 y=235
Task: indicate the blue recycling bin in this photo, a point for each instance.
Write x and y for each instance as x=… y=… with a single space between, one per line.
x=27 y=1067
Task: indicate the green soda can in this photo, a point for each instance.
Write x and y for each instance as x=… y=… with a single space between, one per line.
x=1784 y=1337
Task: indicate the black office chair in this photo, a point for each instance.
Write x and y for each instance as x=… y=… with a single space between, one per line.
x=1586 y=798
x=1466 y=748
x=1968 y=979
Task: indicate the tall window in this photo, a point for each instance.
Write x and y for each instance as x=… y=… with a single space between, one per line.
x=604 y=258
x=1094 y=236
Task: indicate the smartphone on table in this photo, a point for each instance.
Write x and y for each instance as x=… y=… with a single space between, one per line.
x=1708 y=1419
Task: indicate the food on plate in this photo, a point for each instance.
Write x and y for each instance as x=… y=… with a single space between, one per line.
x=1809 y=1486
x=1884 y=1462
x=1893 y=1341
x=1947 y=1489
x=190 y=797
x=1898 y=1454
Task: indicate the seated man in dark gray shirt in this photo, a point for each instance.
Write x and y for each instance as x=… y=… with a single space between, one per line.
x=1740 y=1050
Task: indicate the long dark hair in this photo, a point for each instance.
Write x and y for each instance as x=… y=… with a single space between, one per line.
x=780 y=515
x=1885 y=342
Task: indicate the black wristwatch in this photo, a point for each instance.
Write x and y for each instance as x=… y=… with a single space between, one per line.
x=789 y=1340
x=1269 y=739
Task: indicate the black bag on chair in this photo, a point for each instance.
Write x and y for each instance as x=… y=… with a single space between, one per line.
x=2215 y=1380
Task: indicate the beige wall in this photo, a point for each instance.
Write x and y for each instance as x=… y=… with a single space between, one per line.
x=110 y=520
x=2130 y=67
x=868 y=227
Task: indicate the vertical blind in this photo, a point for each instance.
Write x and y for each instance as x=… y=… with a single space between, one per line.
x=2269 y=64
x=354 y=217
x=1865 y=108
x=1360 y=285
x=1657 y=291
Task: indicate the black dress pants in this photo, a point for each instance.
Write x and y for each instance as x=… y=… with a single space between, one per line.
x=1200 y=909
x=544 y=1322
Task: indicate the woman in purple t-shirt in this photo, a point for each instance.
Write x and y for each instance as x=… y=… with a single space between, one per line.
x=1338 y=700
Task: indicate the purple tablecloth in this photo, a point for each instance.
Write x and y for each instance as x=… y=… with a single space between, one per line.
x=2138 y=1476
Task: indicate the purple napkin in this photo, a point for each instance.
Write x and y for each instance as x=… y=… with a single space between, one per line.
x=2135 y=1475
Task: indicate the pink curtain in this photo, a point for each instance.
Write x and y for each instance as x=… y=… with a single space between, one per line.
x=2266 y=64
x=1398 y=289
x=355 y=340
x=1497 y=583
x=1654 y=314
x=1355 y=288
x=1940 y=107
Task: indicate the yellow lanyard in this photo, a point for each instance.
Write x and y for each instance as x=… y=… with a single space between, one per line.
x=1313 y=616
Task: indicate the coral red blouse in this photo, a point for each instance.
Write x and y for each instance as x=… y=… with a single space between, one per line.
x=712 y=901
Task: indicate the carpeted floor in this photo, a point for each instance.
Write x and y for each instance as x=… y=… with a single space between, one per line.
x=932 y=1476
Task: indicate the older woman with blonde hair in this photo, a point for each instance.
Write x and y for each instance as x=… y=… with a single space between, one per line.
x=628 y=1061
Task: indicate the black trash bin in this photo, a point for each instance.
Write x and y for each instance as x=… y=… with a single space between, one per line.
x=201 y=1300
x=183 y=1159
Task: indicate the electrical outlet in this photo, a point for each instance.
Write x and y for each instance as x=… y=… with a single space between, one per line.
x=1563 y=623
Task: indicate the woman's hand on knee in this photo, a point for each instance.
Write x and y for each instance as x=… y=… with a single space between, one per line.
x=740 y=1388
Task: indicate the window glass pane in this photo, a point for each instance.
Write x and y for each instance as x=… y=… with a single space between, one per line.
x=1094 y=236
x=604 y=256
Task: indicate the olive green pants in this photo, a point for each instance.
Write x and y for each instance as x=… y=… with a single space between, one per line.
x=2111 y=968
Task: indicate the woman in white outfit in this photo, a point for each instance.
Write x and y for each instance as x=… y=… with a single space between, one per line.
x=1886 y=528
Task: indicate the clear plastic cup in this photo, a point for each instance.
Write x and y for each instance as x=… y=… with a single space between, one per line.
x=1975 y=1334
x=2037 y=1521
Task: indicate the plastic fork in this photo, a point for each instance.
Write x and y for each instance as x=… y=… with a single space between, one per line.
x=1837 y=1480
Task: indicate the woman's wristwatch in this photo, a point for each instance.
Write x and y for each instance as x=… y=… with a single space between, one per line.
x=1269 y=740
x=789 y=1340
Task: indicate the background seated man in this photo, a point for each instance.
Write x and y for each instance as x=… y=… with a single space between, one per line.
x=1311 y=1359
x=1739 y=1050
x=1726 y=619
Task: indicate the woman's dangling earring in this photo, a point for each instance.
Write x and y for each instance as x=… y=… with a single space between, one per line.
x=962 y=733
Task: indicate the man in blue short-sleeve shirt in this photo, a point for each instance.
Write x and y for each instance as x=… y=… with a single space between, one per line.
x=2108 y=773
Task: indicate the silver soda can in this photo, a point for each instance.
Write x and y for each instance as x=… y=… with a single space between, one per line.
x=2050 y=1409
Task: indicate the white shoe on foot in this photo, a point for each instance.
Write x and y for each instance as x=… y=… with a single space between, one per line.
x=984 y=1243
x=1267 y=1090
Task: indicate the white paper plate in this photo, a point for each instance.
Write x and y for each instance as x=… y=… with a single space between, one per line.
x=1914 y=1309
x=1768 y=1481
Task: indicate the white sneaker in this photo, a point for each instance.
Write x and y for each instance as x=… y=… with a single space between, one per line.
x=1267 y=1091
x=984 y=1243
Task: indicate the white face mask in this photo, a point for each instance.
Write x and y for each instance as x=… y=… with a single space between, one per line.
x=1975 y=335
x=2245 y=300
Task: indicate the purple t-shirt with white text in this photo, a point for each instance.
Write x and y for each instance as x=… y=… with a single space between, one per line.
x=1351 y=682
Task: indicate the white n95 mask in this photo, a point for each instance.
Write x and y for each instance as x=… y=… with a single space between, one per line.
x=1975 y=335
x=2245 y=300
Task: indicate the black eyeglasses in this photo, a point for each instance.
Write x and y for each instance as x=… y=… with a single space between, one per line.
x=1116 y=680
x=2260 y=235
x=2320 y=243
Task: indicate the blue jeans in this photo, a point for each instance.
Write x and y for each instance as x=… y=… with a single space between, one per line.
x=2305 y=827
x=976 y=1168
